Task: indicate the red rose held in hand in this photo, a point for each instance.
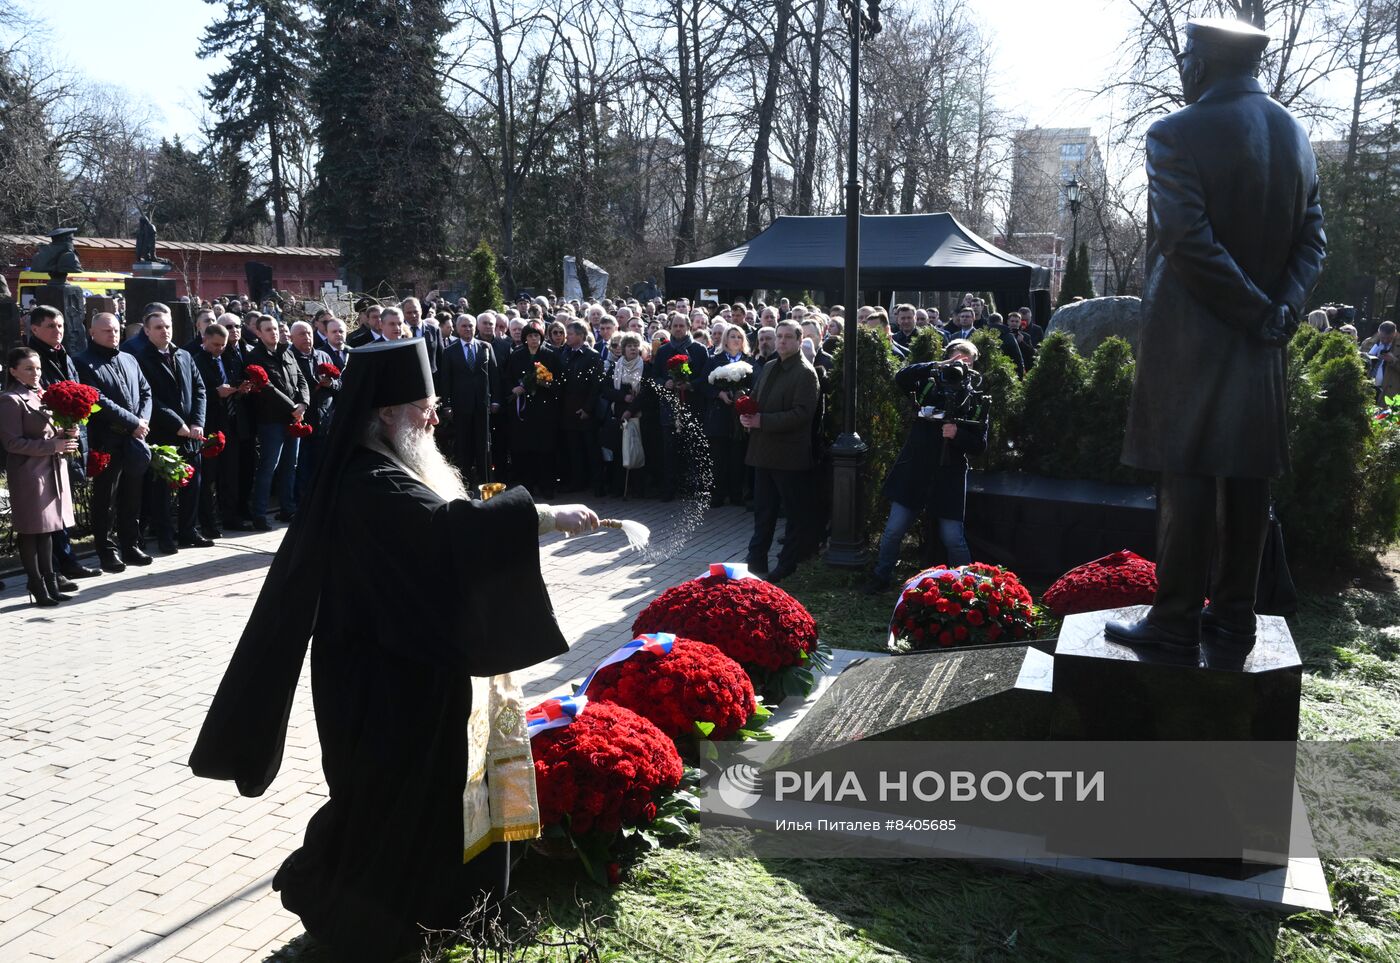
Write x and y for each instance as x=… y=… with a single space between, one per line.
x=299 y=429
x=71 y=402
x=97 y=462
x=213 y=445
x=255 y=375
x=746 y=405
x=327 y=370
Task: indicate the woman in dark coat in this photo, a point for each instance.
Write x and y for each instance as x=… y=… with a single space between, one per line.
x=627 y=389
x=533 y=411
x=919 y=478
x=40 y=500
x=728 y=439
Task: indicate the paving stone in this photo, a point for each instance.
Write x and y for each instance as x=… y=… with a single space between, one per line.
x=101 y=821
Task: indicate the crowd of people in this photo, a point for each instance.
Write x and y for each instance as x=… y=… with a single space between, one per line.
x=607 y=397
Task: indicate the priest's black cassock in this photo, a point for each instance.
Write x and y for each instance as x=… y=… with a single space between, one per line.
x=391 y=675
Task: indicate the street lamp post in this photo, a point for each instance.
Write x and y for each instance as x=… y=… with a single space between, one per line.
x=1073 y=194
x=846 y=548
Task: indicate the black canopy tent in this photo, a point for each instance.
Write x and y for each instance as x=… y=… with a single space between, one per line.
x=898 y=252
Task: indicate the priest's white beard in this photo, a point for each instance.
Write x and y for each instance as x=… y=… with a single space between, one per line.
x=414 y=446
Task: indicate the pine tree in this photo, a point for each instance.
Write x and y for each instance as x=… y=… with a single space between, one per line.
x=383 y=130
x=1086 y=277
x=1070 y=278
x=260 y=98
x=485 y=288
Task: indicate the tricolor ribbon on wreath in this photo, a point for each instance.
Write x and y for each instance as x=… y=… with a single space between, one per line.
x=734 y=570
x=554 y=713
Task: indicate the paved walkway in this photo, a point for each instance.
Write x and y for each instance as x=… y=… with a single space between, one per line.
x=109 y=848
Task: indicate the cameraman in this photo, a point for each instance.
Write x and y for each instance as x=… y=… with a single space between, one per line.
x=1383 y=367
x=922 y=477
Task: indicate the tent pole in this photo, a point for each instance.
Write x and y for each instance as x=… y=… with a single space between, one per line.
x=846 y=548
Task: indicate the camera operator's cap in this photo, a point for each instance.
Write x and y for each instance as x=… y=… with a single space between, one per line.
x=1222 y=39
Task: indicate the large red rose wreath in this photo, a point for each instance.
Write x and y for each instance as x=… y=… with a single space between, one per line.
x=609 y=776
x=1111 y=582
x=694 y=689
x=754 y=622
x=972 y=605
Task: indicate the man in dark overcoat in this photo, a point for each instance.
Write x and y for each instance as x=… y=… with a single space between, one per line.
x=1235 y=245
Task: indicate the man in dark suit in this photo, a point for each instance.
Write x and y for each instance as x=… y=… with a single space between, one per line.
x=416 y=326
x=46 y=337
x=688 y=392
x=336 y=347
x=1235 y=244
x=583 y=373
x=502 y=346
x=119 y=430
x=1034 y=331
x=282 y=401
x=224 y=394
x=471 y=390
x=367 y=331
x=324 y=388
x=177 y=418
x=1009 y=345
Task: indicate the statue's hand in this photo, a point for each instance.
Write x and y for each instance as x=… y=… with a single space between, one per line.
x=1276 y=325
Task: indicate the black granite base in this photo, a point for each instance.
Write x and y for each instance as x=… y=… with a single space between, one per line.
x=1043 y=527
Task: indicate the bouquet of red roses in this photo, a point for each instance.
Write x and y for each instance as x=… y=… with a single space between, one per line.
x=213 y=445
x=754 y=622
x=327 y=370
x=606 y=778
x=255 y=375
x=169 y=467
x=71 y=403
x=97 y=462
x=695 y=689
x=678 y=366
x=1111 y=582
x=972 y=605
x=299 y=429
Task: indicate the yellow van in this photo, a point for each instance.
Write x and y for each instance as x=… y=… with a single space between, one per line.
x=102 y=283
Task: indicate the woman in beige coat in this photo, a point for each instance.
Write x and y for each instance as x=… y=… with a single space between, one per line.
x=40 y=502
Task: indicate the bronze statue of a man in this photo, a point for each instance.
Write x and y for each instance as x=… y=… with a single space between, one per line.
x=1235 y=245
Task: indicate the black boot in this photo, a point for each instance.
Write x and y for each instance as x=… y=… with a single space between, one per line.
x=39 y=593
x=111 y=561
x=134 y=554
x=51 y=583
x=64 y=585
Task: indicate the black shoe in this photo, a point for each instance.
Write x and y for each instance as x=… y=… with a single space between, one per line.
x=76 y=569
x=758 y=566
x=875 y=586
x=39 y=593
x=135 y=555
x=64 y=585
x=167 y=547
x=780 y=573
x=111 y=561
x=260 y=524
x=238 y=525
x=210 y=530
x=55 y=592
x=286 y=516
x=1152 y=643
x=1212 y=625
x=195 y=540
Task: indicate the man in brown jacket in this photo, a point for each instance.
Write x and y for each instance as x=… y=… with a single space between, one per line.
x=780 y=452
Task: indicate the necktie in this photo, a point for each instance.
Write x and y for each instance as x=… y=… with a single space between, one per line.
x=470 y=350
x=223 y=377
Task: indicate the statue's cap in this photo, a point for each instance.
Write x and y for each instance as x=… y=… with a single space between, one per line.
x=394 y=372
x=1219 y=38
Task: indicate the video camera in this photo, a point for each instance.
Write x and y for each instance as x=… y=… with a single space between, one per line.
x=954 y=394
